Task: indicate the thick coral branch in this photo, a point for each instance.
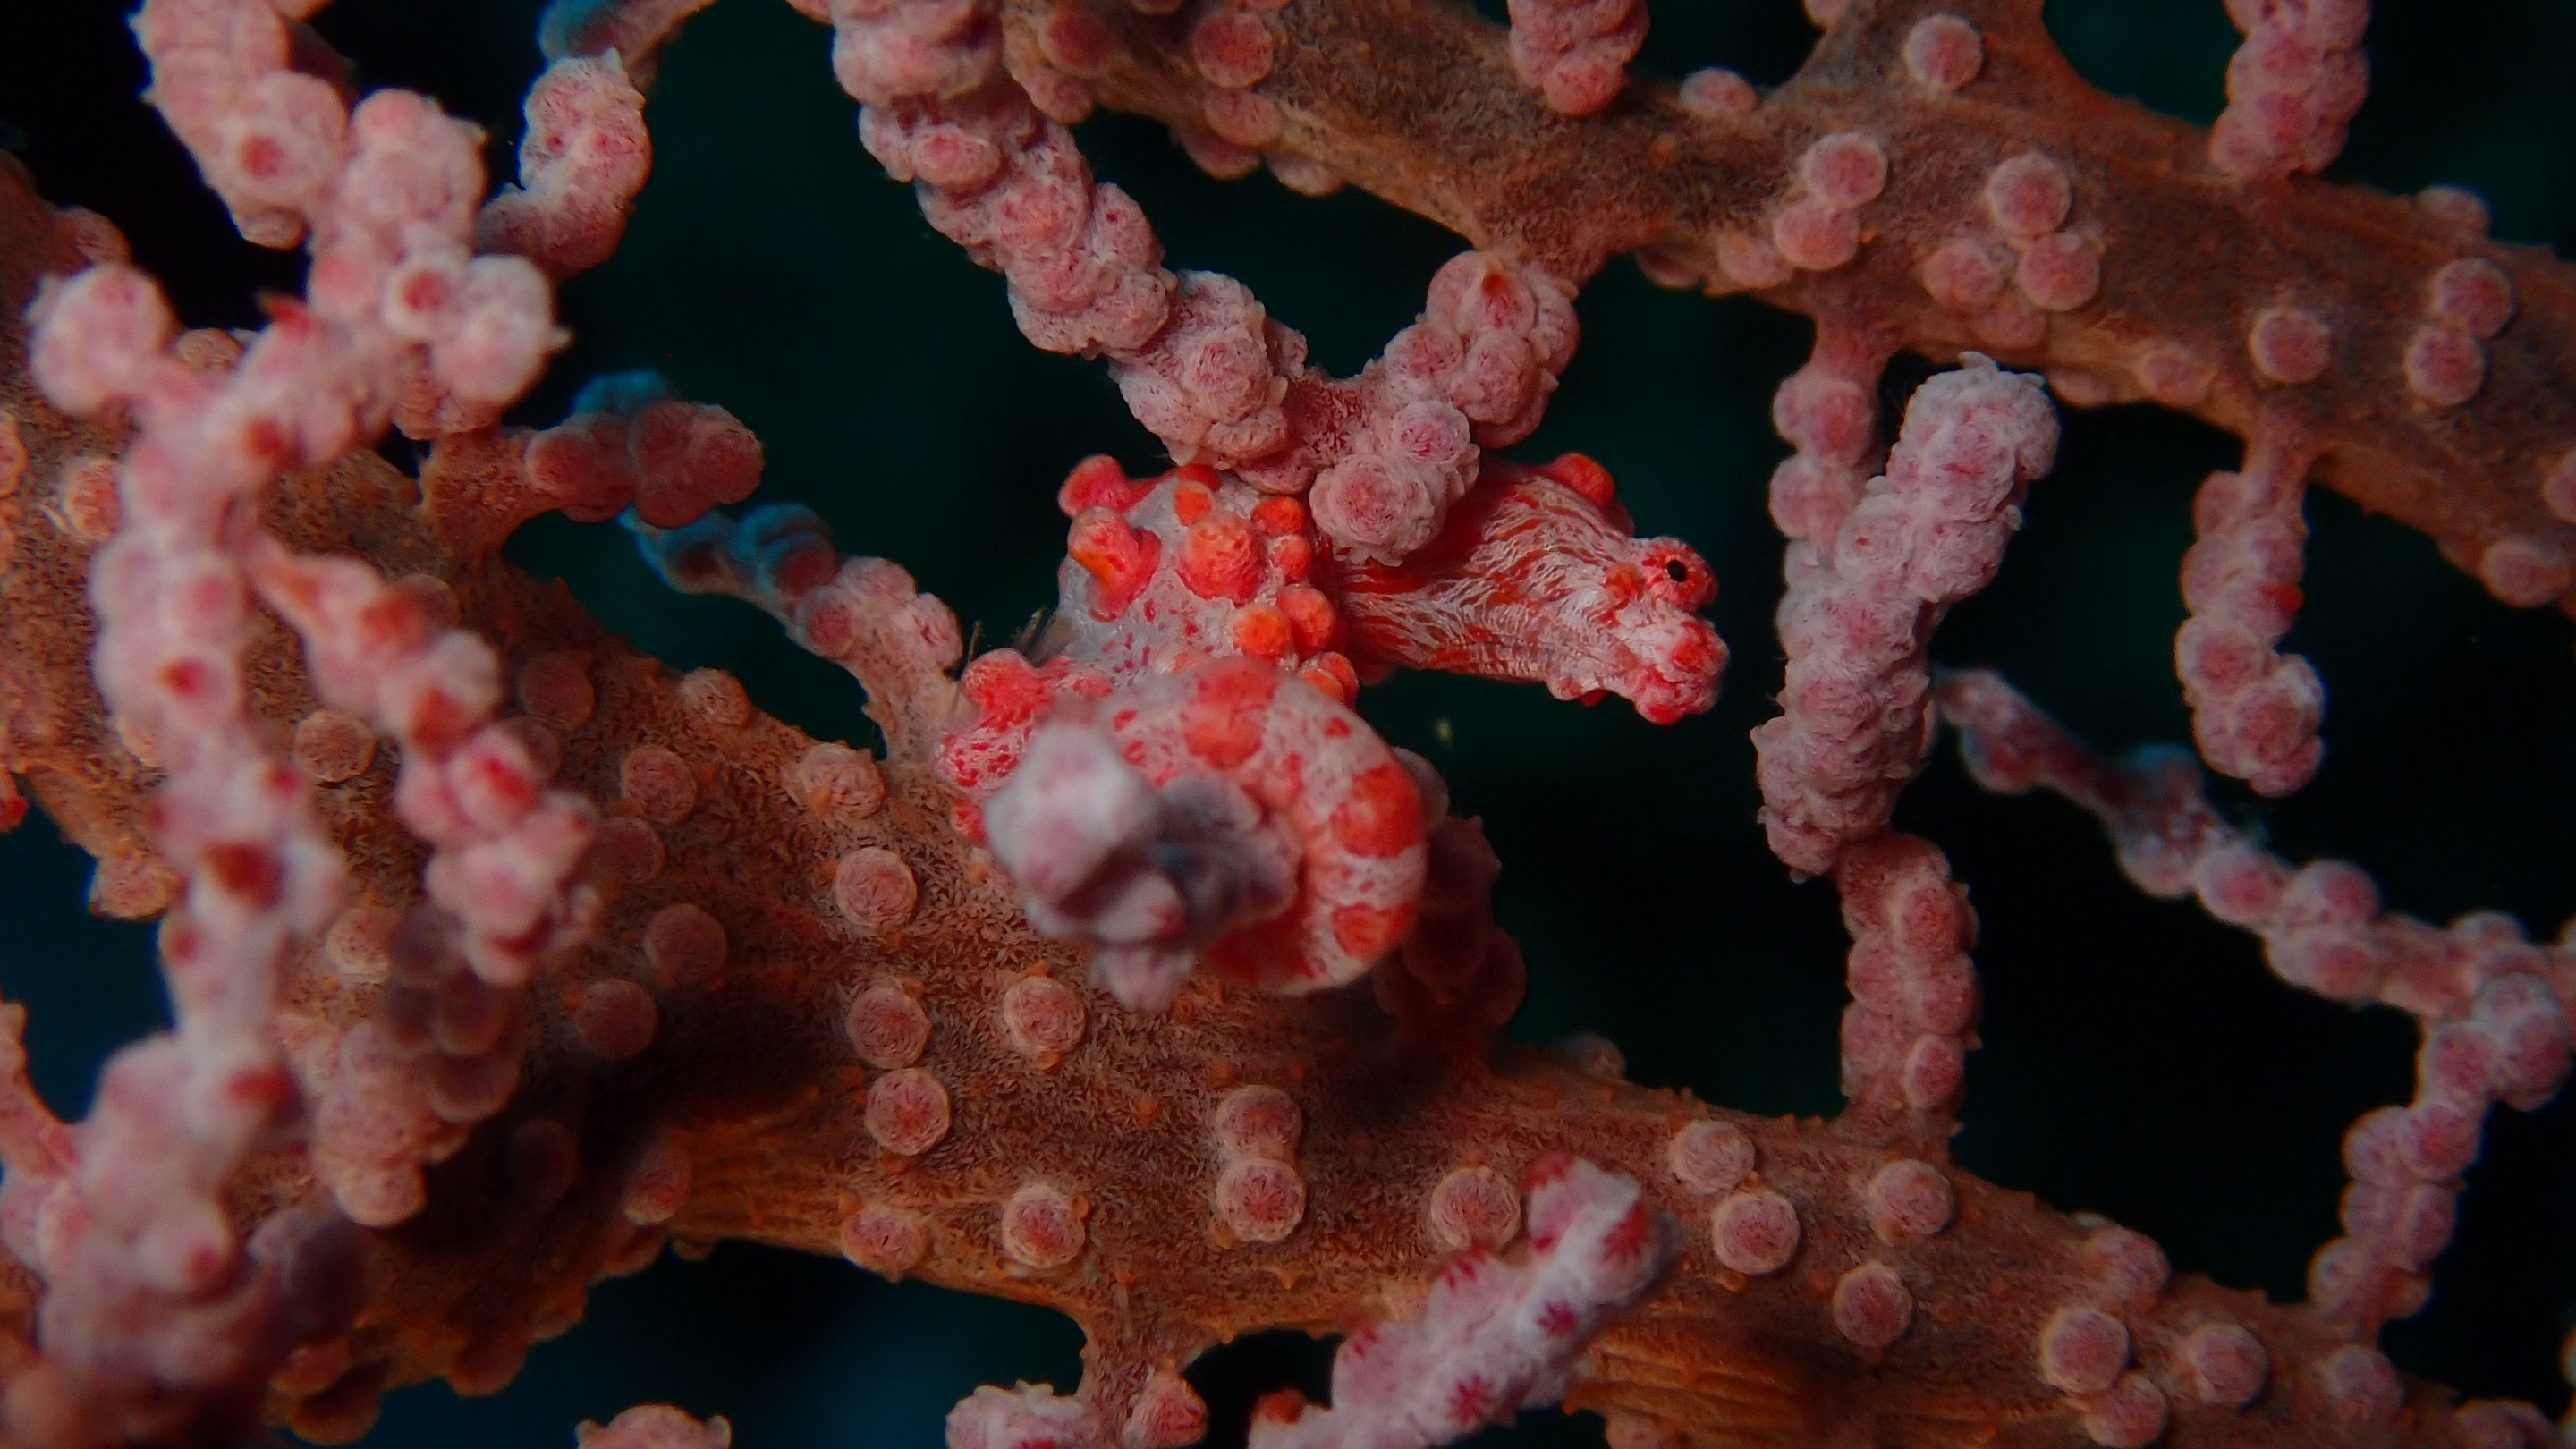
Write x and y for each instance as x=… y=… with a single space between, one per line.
x=2115 y=255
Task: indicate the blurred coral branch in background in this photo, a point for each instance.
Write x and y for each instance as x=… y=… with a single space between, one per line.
x=1134 y=970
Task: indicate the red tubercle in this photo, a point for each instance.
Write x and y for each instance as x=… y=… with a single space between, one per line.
x=1220 y=559
x=1367 y=932
x=1075 y=41
x=1550 y=1169
x=1122 y=558
x=438 y=722
x=581 y=466
x=189 y=677
x=1005 y=688
x=1293 y=555
x=1333 y=674
x=804 y=569
x=1584 y=475
x=1461 y=1270
x=492 y=770
x=1232 y=49
x=1228 y=710
x=1382 y=814
x=659 y=434
x=1280 y=516
x=1317 y=624
x=1264 y=632
x=1098 y=482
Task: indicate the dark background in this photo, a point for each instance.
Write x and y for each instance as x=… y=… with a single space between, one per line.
x=2139 y=1061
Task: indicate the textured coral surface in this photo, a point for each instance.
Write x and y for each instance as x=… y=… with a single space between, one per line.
x=2137 y=1059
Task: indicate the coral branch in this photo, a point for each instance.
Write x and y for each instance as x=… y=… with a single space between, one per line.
x=1419 y=104
x=2495 y=1007
x=1856 y=712
x=2293 y=88
x=2254 y=710
x=1493 y=1336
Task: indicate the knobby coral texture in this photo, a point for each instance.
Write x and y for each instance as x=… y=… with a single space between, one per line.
x=1194 y=964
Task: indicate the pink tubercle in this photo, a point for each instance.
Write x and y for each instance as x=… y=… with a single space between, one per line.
x=658 y=783
x=1755 y=1233
x=2060 y=272
x=2445 y=366
x=2289 y=345
x=2524 y=572
x=2029 y=195
x=1814 y=235
x=615 y=1018
x=2083 y=1350
x=887 y=1027
x=874 y=888
x=2558 y=489
x=685 y=946
x=1473 y=1207
x=1909 y=1198
x=2223 y=1364
x=1844 y=170
x=2175 y=374
x=886 y=1240
x=907 y=1112
x=1258 y=1121
x=1872 y=1306
x=1042 y=1228
x=1710 y=1157
x=1965 y=275
x=555 y=688
x=1259 y=1200
x=1944 y=52
x=1714 y=92
x=2132 y=1414
x=1043 y=1017
x=2473 y=294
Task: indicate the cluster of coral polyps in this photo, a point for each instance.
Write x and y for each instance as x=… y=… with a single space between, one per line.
x=502 y=959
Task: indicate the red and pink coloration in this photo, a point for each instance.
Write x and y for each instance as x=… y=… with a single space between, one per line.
x=1856 y=713
x=2255 y=711
x=1577 y=51
x=655 y=1426
x=1033 y=1417
x=2293 y=87
x=2495 y=1007
x=630 y=444
x=1538 y=576
x=1172 y=584
x=1224 y=813
x=1194 y=563
x=1496 y=1334
x=581 y=163
x=1174 y=775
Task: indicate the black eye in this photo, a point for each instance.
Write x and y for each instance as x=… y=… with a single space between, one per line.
x=1673 y=570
